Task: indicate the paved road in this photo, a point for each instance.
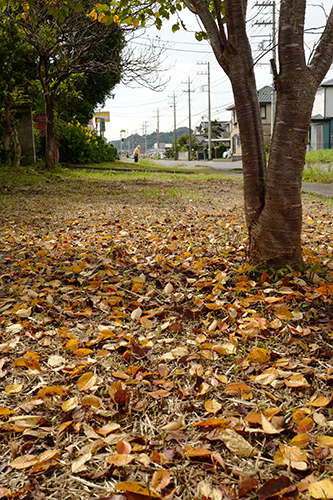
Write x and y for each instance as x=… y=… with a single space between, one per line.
x=235 y=168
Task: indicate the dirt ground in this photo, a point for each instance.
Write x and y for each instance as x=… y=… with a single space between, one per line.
x=140 y=357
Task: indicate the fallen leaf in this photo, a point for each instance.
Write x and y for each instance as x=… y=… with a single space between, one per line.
x=237 y=444
x=123 y=447
x=70 y=404
x=87 y=381
x=13 y=388
x=276 y=487
x=120 y=459
x=258 y=355
x=135 y=487
x=212 y=406
x=78 y=464
x=160 y=480
x=291 y=456
x=322 y=489
x=268 y=427
x=168 y=289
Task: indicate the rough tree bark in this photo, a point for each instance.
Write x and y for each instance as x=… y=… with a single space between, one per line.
x=272 y=193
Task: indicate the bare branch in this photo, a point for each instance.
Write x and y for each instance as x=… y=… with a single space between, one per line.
x=323 y=55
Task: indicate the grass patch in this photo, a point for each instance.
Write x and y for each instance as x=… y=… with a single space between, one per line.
x=142 y=165
x=35 y=176
x=87 y=174
x=12 y=178
x=318 y=173
x=319 y=157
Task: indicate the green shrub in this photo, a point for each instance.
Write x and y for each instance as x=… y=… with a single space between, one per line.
x=79 y=145
x=319 y=156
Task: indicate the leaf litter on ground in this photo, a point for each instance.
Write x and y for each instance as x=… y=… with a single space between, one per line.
x=141 y=357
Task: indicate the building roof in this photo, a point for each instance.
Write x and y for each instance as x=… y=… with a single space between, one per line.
x=320 y=118
x=328 y=83
x=264 y=96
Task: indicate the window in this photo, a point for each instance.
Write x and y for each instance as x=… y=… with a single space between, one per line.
x=234 y=117
x=263 y=111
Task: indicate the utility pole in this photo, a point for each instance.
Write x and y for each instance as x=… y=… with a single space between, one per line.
x=209 y=113
x=146 y=138
x=144 y=134
x=273 y=23
x=175 y=126
x=158 y=129
x=189 y=118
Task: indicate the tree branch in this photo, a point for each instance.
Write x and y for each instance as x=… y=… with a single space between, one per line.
x=323 y=55
x=291 y=36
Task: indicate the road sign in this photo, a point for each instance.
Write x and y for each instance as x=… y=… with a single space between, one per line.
x=102 y=114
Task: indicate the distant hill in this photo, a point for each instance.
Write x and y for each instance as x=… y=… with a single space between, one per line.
x=133 y=140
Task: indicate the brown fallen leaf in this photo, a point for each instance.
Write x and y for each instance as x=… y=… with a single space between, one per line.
x=276 y=487
x=237 y=444
x=160 y=480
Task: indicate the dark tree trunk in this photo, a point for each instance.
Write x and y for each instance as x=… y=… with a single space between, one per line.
x=272 y=194
x=50 y=135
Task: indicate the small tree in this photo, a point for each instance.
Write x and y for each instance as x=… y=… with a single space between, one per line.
x=183 y=142
x=68 y=42
x=16 y=59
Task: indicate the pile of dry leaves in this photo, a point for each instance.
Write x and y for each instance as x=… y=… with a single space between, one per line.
x=141 y=357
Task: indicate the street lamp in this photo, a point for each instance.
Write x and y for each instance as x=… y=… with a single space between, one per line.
x=121 y=144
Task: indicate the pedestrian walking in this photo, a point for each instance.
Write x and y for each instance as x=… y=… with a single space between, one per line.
x=137 y=154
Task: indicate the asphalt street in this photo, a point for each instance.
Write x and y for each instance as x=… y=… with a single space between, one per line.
x=234 y=168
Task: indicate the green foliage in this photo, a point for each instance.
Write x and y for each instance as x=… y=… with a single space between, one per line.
x=318 y=173
x=79 y=145
x=183 y=142
x=16 y=62
x=319 y=156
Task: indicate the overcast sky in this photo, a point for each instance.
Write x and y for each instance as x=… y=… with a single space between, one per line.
x=136 y=109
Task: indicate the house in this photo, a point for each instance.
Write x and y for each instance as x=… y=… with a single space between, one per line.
x=265 y=102
x=220 y=131
x=321 y=126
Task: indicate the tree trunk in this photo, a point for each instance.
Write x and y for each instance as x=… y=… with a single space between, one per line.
x=272 y=195
x=8 y=134
x=275 y=237
x=17 y=147
x=5 y=139
x=50 y=136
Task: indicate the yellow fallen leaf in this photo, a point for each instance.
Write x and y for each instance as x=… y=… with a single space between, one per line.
x=80 y=353
x=138 y=488
x=212 y=406
x=5 y=411
x=24 y=462
x=87 y=381
x=13 y=388
x=70 y=404
x=258 y=355
x=91 y=401
x=291 y=456
x=322 y=489
x=120 y=459
x=226 y=348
